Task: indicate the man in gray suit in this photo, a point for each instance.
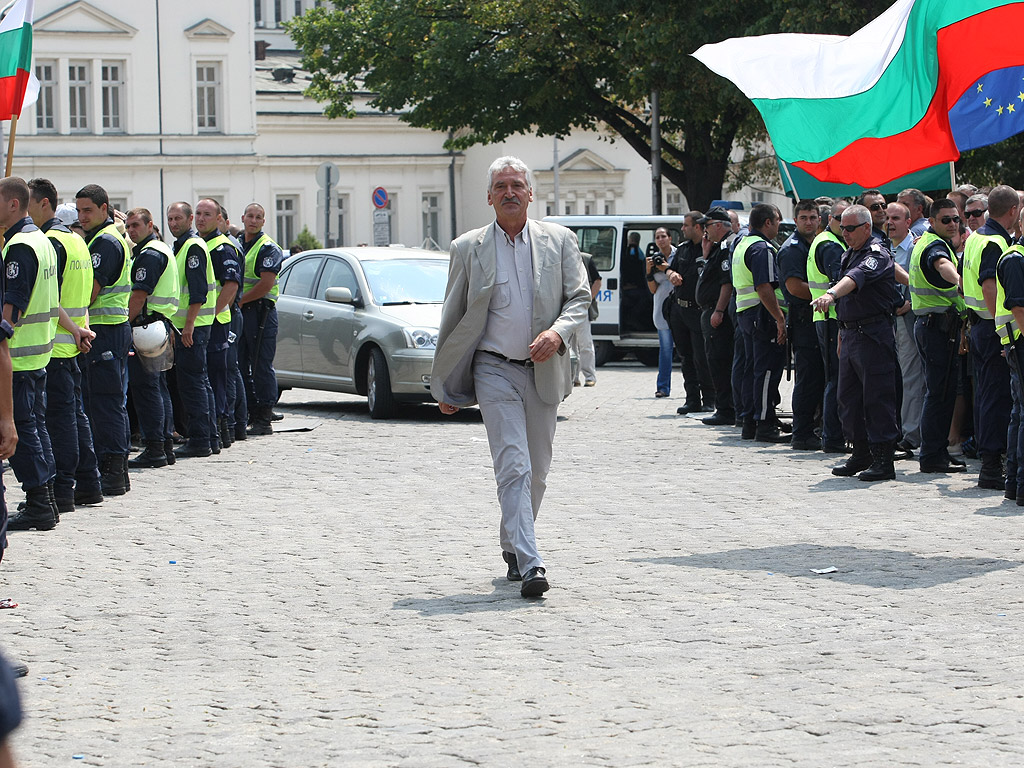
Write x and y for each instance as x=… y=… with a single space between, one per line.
x=516 y=293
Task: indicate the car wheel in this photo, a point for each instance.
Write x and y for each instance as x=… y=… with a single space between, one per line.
x=378 y=386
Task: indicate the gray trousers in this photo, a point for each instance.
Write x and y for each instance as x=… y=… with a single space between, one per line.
x=912 y=369
x=520 y=430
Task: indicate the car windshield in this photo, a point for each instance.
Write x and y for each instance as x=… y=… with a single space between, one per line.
x=407 y=281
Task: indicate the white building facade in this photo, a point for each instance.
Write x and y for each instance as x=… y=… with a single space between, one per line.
x=163 y=101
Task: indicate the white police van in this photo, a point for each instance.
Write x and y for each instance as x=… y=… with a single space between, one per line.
x=618 y=246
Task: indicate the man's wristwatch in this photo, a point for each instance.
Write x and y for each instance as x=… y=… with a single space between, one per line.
x=832 y=292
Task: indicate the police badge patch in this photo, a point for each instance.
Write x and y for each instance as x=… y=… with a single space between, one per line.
x=725 y=265
x=268 y=261
x=12 y=270
x=96 y=259
x=193 y=262
x=870 y=262
x=140 y=274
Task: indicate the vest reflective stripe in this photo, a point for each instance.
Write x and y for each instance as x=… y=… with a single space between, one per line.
x=224 y=316
x=32 y=343
x=926 y=298
x=249 y=277
x=973 y=295
x=111 y=305
x=743 y=280
x=205 y=316
x=817 y=281
x=1005 y=322
x=75 y=288
x=166 y=294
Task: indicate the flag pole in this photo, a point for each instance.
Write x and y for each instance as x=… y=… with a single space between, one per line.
x=10 y=145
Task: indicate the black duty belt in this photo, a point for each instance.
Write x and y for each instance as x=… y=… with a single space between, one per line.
x=864 y=322
x=523 y=363
x=686 y=304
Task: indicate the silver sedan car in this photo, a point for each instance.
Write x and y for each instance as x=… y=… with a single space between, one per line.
x=362 y=321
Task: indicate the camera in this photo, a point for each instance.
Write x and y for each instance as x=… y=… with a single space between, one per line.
x=657 y=259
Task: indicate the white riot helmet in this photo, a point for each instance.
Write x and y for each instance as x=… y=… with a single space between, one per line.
x=150 y=340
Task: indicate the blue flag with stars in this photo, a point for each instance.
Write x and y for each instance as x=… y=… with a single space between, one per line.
x=989 y=111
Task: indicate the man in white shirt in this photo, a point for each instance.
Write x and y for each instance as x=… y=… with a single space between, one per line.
x=897 y=225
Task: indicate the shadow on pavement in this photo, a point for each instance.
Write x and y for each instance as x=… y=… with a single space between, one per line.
x=355 y=410
x=505 y=597
x=886 y=568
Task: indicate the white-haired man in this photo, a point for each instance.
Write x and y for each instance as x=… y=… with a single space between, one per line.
x=517 y=292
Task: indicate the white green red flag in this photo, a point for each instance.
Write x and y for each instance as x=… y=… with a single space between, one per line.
x=15 y=57
x=916 y=86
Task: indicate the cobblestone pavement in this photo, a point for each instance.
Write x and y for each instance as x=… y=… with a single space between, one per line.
x=337 y=597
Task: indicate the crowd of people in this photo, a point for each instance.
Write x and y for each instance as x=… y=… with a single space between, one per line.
x=898 y=321
x=107 y=330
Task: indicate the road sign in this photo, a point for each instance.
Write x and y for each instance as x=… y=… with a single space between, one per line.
x=327 y=175
x=382 y=227
x=380 y=198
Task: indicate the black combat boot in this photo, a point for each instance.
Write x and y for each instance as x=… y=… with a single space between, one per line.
x=124 y=472
x=151 y=458
x=881 y=463
x=992 y=475
x=169 y=451
x=39 y=513
x=261 y=418
x=769 y=432
x=52 y=501
x=749 y=429
x=859 y=460
x=226 y=435
x=112 y=474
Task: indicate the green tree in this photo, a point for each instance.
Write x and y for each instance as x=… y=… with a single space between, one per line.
x=306 y=240
x=486 y=70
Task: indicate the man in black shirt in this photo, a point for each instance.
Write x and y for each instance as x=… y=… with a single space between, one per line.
x=714 y=291
x=684 y=317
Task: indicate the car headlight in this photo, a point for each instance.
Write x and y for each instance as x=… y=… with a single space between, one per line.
x=421 y=338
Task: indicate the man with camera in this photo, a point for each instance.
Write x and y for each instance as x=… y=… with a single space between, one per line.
x=684 y=317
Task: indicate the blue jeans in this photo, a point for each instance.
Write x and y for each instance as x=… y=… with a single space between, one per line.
x=665 y=360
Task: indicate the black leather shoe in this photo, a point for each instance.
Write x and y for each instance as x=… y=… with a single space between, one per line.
x=718 y=420
x=808 y=444
x=1011 y=494
x=275 y=416
x=84 y=497
x=535 y=583
x=192 y=450
x=957 y=462
x=992 y=483
x=513 y=566
x=770 y=436
x=29 y=520
x=686 y=408
x=837 y=448
x=940 y=468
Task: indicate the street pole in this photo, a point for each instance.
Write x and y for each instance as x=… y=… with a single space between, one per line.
x=554 y=164
x=655 y=155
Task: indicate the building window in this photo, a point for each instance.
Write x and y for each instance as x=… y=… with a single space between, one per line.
x=112 y=83
x=117 y=204
x=78 y=96
x=278 y=12
x=341 y=213
x=208 y=97
x=287 y=205
x=757 y=196
x=46 y=74
x=258 y=12
x=609 y=207
x=588 y=208
x=570 y=209
x=674 y=203
x=431 y=220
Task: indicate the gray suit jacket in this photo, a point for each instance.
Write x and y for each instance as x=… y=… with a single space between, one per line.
x=560 y=299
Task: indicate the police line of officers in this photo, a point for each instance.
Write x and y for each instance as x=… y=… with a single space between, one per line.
x=861 y=312
x=88 y=309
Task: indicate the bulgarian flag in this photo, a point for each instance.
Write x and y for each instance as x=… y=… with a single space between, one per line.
x=921 y=83
x=15 y=58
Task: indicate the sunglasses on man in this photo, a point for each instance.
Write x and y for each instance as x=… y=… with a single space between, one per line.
x=948 y=219
x=848 y=228
x=975 y=212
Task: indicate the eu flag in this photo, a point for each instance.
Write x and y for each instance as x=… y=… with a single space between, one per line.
x=991 y=110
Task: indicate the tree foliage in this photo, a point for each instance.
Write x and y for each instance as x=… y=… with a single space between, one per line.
x=485 y=70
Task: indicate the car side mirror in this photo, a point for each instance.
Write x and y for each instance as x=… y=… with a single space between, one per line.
x=342 y=296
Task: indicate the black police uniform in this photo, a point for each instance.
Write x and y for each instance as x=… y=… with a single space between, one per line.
x=992 y=400
x=684 y=322
x=1010 y=272
x=809 y=387
x=829 y=257
x=867 y=358
x=718 y=342
x=222 y=363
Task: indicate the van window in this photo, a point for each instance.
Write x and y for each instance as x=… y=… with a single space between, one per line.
x=599 y=243
x=646 y=235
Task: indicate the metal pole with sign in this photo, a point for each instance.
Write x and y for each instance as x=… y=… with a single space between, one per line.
x=327 y=176
x=381 y=217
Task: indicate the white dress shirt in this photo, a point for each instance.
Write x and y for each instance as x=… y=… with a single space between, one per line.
x=510 y=314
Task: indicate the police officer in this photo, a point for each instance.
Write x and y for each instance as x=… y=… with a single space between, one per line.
x=263 y=258
x=105 y=379
x=809 y=387
x=8 y=431
x=866 y=294
x=714 y=291
x=31 y=301
x=937 y=304
x=684 y=316
x=1009 y=320
x=197 y=302
x=761 y=319
x=154 y=299
x=227 y=269
x=992 y=399
x=824 y=262
x=77 y=479
x=238 y=415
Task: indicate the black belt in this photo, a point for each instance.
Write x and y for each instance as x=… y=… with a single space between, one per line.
x=523 y=363
x=686 y=304
x=934 y=318
x=865 y=322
